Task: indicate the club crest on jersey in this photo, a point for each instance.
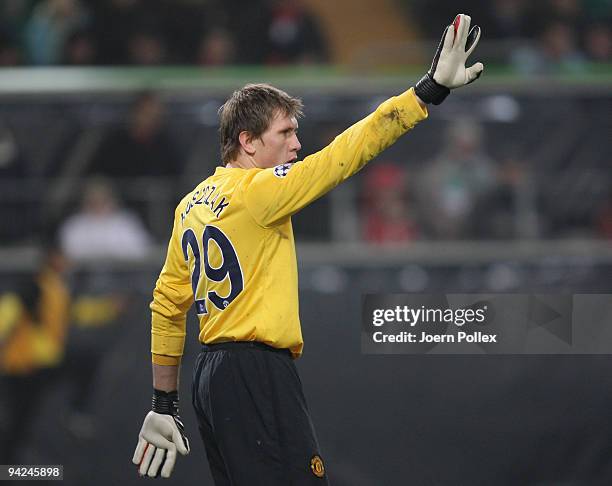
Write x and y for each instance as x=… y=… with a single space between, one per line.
x=280 y=171
x=316 y=466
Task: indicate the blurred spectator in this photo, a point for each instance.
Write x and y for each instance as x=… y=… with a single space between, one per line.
x=115 y=22
x=249 y=29
x=565 y=10
x=10 y=54
x=33 y=324
x=217 y=48
x=185 y=24
x=496 y=215
x=96 y=312
x=504 y=19
x=386 y=213
x=80 y=49
x=453 y=183
x=142 y=149
x=294 y=35
x=598 y=42
x=102 y=229
x=13 y=17
x=51 y=24
x=146 y=48
x=556 y=50
x=149 y=33
x=536 y=17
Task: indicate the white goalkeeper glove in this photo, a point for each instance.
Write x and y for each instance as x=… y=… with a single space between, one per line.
x=161 y=436
x=448 y=69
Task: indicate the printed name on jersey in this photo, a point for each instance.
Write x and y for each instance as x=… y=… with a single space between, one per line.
x=203 y=196
x=280 y=171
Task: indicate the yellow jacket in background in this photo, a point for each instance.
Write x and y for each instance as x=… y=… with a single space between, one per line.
x=27 y=345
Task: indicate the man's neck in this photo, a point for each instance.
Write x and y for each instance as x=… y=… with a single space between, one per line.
x=243 y=161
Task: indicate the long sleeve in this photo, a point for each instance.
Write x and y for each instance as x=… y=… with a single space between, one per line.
x=172 y=298
x=274 y=194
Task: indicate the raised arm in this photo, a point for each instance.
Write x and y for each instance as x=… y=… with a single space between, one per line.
x=276 y=193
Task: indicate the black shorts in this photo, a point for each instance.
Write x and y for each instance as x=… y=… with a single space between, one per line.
x=253 y=417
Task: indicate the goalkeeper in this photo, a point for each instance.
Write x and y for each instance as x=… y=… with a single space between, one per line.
x=232 y=255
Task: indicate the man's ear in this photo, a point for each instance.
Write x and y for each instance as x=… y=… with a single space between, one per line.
x=246 y=142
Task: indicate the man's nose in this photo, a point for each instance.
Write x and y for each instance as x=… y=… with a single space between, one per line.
x=296 y=145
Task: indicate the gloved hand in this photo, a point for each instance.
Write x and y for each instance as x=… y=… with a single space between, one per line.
x=161 y=435
x=448 y=69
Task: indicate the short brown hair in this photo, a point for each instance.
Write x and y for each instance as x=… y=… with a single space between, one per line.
x=252 y=109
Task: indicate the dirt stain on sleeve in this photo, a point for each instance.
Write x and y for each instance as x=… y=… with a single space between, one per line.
x=281 y=233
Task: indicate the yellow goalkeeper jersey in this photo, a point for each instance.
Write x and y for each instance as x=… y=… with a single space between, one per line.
x=232 y=251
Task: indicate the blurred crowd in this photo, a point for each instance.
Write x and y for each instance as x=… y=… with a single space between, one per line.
x=534 y=37
x=138 y=160
x=59 y=327
x=158 y=32
x=461 y=194
x=543 y=36
x=110 y=188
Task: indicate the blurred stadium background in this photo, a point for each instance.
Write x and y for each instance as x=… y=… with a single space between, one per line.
x=108 y=115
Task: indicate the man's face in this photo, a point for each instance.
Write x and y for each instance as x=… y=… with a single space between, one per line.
x=279 y=144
